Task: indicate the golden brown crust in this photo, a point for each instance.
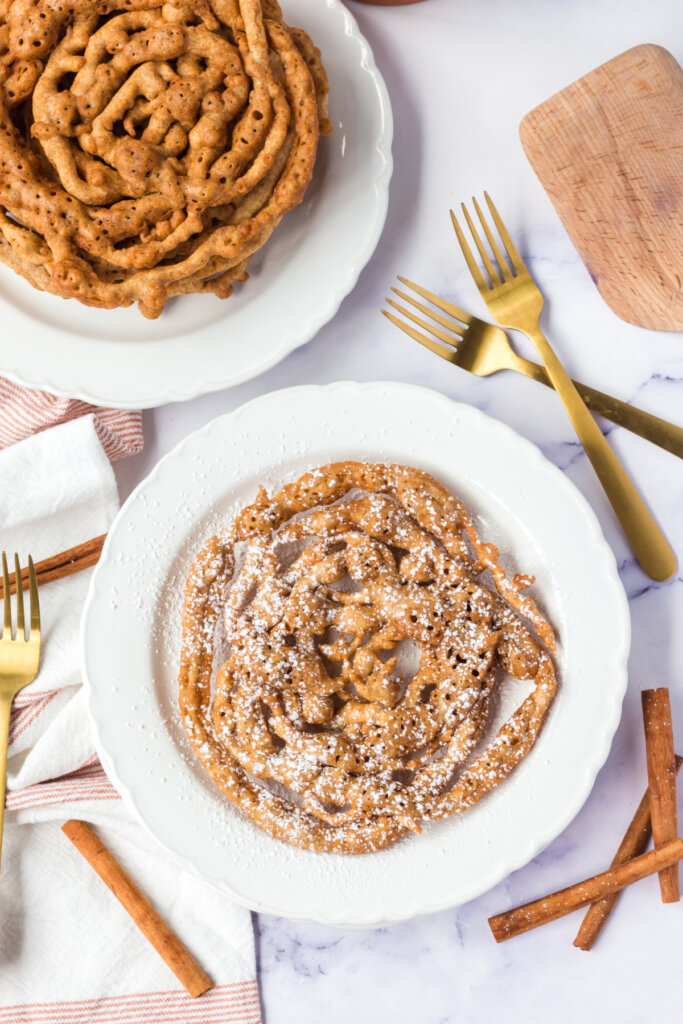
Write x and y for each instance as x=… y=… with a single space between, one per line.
x=150 y=149
x=309 y=731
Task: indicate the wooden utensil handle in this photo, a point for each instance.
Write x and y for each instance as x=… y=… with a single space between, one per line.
x=5 y=710
x=607 y=151
x=151 y=924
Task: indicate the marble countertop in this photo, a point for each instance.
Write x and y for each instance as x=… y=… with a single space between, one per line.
x=461 y=74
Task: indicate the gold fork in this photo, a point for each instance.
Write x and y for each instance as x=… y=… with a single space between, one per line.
x=19 y=658
x=516 y=302
x=484 y=349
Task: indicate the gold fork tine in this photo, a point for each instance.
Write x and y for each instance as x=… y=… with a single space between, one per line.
x=484 y=349
x=504 y=271
x=514 y=257
x=456 y=329
x=21 y=629
x=423 y=323
x=516 y=302
x=447 y=307
x=35 y=605
x=482 y=285
x=433 y=346
x=7 y=631
x=494 y=276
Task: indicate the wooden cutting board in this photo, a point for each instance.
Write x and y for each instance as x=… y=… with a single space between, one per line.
x=609 y=152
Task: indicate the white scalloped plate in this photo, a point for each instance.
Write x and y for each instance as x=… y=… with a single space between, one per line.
x=297 y=282
x=131 y=634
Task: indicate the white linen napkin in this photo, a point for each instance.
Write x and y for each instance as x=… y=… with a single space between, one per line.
x=68 y=952
x=25 y=411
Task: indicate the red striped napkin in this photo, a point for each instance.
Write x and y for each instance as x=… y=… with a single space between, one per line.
x=24 y=412
x=69 y=954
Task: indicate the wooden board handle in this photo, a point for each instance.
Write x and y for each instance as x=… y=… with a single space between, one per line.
x=608 y=150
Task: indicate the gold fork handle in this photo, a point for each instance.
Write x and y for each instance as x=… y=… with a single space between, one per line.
x=5 y=708
x=660 y=432
x=649 y=544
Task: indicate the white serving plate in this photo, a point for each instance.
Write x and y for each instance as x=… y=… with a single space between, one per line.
x=131 y=637
x=297 y=282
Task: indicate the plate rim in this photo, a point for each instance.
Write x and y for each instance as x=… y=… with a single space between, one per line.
x=298 y=337
x=601 y=746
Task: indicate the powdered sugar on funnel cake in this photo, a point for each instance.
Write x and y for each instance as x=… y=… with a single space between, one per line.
x=297 y=689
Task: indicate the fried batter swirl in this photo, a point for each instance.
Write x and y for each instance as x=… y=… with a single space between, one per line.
x=309 y=727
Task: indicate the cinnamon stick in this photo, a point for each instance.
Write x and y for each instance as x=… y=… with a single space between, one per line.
x=66 y=563
x=153 y=927
x=531 y=915
x=661 y=775
x=634 y=843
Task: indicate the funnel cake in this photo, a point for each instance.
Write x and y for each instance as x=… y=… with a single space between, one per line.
x=308 y=725
x=149 y=149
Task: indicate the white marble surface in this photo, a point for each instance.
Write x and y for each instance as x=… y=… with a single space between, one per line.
x=461 y=74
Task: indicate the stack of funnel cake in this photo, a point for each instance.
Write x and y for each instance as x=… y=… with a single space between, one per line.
x=149 y=149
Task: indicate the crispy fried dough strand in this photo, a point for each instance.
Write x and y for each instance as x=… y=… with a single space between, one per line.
x=308 y=727
x=149 y=149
